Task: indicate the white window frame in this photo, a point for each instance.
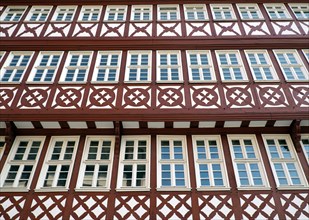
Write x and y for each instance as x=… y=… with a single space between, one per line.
x=172 y=162
x=294 y=159
x=194 y=8
x=139 y=66
x=66 y=8
x=245 y=160
x=107 y=67
x=210 y=161
x=67 y=66
x=275 y=8
x=96 y=162
x=305 y=137
x=169 y=66
x=2 y=53
x=231 y=66
x=118 y=9
x=58 y=163
x=48 y=66
x=305 y=52
x=299 y=64
x=160 y=11
x=134 y=162
x=7 y=10
x=91 y=9
x=249 y=9
x=299 y=7
x=141 y=9
x=200 y=66
x=21 y=163
x=16 y=68
x=261 y=66
x=222 y=8
x=38 y=10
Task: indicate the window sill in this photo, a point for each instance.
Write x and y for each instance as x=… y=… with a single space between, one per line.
x=169 y=81
x=253 y=188
x=213 y=188
x=293 y=188
x=132 y=189
x=175 y=188
x=51 y=189
x=202 y=81
x=13 y=189
x=91 y=189
x=266 y=81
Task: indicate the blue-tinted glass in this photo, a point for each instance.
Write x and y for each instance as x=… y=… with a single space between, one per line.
x=223 y=59
x=74 y=60
x=112 y=75
x=299 y=73
x=81 y=75
x=85 y=59
x=282 y=59
x=175 y=75
x=25 y=60
x=163 y=59
x=218 y=15
x=268 y=74
x=174 y=59
x=258 y=74
x=133 y=74
x=55 y=60
x=38 y=75
x=163 y=74
x=233 y=59
x=237 y=73
x=226 y=74
x=200 y=15
x=193 y=59
x=288 y=73
x=144 y=59
x=165 y=152
x=114 y=60
x=44 y=60
x=262 y=58
x=103 y=61
x=190 y=15
x=134 y=59
x=204 y=59
x=227 y=15
x=144 y=74
x=206 y=74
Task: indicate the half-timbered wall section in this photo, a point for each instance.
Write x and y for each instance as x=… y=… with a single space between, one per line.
x=154 y=109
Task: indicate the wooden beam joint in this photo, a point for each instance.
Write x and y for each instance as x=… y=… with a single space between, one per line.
x=295 y=131
x=10 y=132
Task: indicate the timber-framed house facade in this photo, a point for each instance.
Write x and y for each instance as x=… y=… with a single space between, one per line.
x=154 y=109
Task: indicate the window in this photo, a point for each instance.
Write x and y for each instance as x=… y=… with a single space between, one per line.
x=222 y=12
x=96 y=167
x=21 y=163
x=277 y=11
x=141 y=13
x=45 y=67
x=247 y=161
x=169 y=66
x=64 y=13
x=200 y=66
x=209 y=162
x=138 y=66
x=15 y=66
x=195 y=12
x=249 y=11
x=231 y=67
x=115 y=13
x=172 y=163
x=284 y=163
x=13 y=13
x=58 y=165
x=38 y=13
x=77 y=66
x=168 y=12
x=134 y=163
x=305 y=145
x=107 y=67
x=291 y=65
x=301 y=11
x=90 y=13
x=260 y=65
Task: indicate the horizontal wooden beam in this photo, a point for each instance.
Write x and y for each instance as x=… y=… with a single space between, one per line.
x=156 y=44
